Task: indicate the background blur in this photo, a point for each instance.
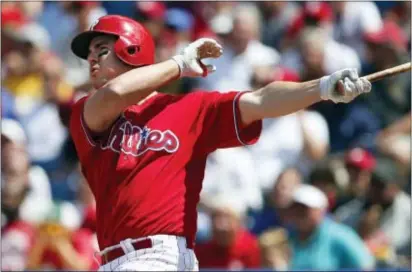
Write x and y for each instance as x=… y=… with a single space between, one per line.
x=357 y=154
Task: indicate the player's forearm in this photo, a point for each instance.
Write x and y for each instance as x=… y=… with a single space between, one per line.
x=105 y=105
x=282 y=98
x=134 y=85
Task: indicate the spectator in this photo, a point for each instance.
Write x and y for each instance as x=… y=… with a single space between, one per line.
x=12 y=17
x=276 y=150
x=222 y=176
x=318 y=54
x=22 y=64
x=390 y=99
x=231 y=245
x=375 y=239
x=274 y=249
x=394 y=141
x=385 y=191
x=17 y=234
x=359 y=164
x=152 y=15
x=71 y=17
x=312 y=15
x=57 y=248
x=320 y=243
x=243 y=51
x=353 y=20
x=278 y=16
x=274 y=211
x=38 y=199
x=325 y=176
x=25 y=79
x=400 y=13
x=31 y=9
x=181 y=22
x=60 y=244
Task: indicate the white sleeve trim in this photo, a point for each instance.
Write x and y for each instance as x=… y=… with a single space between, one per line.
x=89 y=139
x=235 y=119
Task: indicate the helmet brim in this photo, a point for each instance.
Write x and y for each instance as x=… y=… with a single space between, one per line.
x=80 y=44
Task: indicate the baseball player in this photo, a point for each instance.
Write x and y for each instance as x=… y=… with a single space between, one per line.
x=143 y=153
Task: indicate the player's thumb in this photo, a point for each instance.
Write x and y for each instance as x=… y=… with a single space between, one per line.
x=210 y=68
x=198 y=67
x=206 y=69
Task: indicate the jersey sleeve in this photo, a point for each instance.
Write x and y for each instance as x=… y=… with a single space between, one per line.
x=82 y=136
x=223 y=127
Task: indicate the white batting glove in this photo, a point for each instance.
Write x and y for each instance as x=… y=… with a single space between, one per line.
x=343 y=86
x=190 y=59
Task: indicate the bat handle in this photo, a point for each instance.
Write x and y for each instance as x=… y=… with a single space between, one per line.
x=388 y=72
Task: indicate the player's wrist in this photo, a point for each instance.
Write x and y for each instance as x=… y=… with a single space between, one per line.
x=324 y=85
x=181 y=63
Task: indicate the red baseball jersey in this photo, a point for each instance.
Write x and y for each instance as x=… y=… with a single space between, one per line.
x=146 y=170
x=244 y=253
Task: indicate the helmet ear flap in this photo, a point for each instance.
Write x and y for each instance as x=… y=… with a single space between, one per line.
x=126 y=50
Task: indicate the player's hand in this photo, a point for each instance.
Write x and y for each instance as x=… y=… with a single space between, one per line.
x=343 y=86
x=190 y=59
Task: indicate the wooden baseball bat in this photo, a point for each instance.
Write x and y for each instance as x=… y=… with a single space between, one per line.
x=389 y=72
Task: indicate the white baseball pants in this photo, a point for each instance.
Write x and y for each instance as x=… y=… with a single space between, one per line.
x=169 y=253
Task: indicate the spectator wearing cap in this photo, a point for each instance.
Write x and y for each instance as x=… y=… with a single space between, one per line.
x=11 y=18
x=231 y=245
x=152 y=15
x=385 y=191
x=318 y=243
x=312 y=14
x=177 y=33
x=390 y=99
x=353 y=20
x=325 y=176
x=359 y=164
x=274 y=212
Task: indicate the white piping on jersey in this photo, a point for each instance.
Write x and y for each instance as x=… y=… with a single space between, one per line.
x=89 y=139
x=234 y=118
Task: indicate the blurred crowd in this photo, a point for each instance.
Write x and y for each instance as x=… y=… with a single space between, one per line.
x=326 y=188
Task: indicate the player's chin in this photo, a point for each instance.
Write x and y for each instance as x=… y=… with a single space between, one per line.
x=96 y=82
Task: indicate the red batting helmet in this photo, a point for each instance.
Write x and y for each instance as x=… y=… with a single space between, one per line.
x=134 y=44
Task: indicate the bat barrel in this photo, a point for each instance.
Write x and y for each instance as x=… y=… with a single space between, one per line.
x=389 y=72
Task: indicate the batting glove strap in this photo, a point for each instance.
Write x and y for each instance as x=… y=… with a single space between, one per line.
x=343 y=86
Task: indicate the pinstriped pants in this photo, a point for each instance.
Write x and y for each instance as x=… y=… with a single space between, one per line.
x=169 y=253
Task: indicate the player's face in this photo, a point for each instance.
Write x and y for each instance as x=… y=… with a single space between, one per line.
x=104 y=64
